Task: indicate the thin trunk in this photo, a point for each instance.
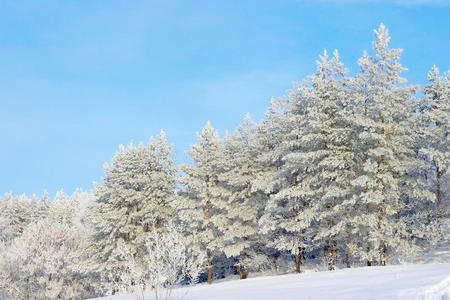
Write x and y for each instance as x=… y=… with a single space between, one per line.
x=369 y=263
x=244 y=273
x=331 y=245
x=208 y=254
x=438 y=197
x=297 y=254
x=275 y=258
x=347 y=243
x=297 y=262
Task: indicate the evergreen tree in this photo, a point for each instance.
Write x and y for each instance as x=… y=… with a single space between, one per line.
x=384 y=151
x=288 y=195
x=138 y=188
x=269 y=135
x=323 y=145
x=244 y=205
x=201 y=205
x=435 y=128
x=18 y=212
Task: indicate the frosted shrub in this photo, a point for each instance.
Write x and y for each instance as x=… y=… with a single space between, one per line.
x=167 y=266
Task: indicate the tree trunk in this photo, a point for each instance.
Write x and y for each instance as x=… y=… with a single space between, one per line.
x=369 y=263
x=438 y=198
x=331 y=245
x=275 y=258
x=208 y=254
x=297 y=254
x=347 y=243
x=297 y=262
x=244 y=272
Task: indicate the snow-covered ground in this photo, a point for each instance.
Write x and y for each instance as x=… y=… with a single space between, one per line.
x=427 y=281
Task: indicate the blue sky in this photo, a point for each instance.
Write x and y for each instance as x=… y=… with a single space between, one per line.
x=78 y=78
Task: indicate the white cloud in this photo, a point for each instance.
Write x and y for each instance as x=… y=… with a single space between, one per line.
x=398 y=2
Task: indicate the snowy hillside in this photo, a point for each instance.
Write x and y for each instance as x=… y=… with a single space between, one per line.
x=431 y=281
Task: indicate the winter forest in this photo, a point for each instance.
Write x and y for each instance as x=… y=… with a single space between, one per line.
x=344 y=171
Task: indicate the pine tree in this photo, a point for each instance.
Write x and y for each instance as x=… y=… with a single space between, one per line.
x=323 y=144
x=42 y=206
x=201 y=205
x=288 y=195
x=138 y=188
x=384 y=151
x=244 y=205
x=435 y=128
x=269 y=135
x=18 y=212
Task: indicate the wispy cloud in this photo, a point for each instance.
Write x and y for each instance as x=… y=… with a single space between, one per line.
x=397 y=2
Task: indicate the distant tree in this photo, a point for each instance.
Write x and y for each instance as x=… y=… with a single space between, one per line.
x=41 y=264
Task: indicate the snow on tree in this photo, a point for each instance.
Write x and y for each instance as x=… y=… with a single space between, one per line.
x=42 y=206
x=286 y=198
x=323 y=147
x=169 y=263
x=138 y=187
x=41 y=264
x=81 y=201
x=434 y=120
x=268 y=137
x=60 y=209
x=201 y=205
x=385 y=149
x=17 y=211
x=244 y=205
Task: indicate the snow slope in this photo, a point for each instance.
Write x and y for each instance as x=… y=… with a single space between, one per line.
x=429 y=281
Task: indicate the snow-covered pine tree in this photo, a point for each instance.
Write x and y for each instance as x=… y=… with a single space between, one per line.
x=17 y=211
x=60 y=210
x=244 y=205
x=81 y=201
x=434 y=118
x=288 y=192
x=201 y=206
x=323 y=146
x=270 y=134
x=384 y=151
x=42 y=206
x=138 y=187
